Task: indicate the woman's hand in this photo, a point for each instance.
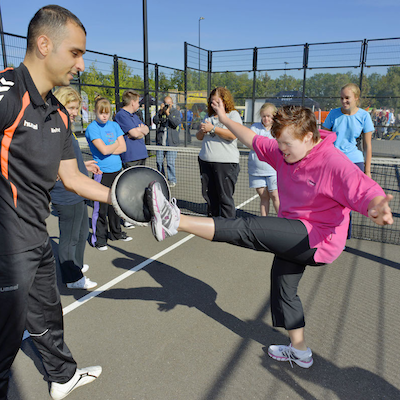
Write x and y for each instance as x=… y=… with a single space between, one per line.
x=219 y=107
x=379 y=210
x=92 y=166
x=206 y=126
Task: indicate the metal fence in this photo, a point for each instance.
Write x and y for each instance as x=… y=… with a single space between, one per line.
x=310 y=74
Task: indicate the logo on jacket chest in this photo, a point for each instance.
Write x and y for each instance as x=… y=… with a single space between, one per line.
x=36 y=127
x=30 y=125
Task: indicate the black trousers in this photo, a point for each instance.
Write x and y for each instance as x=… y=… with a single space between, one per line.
x=29 y=299
x=288 y=240
x=218 y=182
x=102 y=211
x=73 y=223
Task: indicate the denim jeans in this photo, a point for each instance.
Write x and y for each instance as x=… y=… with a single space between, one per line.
x=170 y=157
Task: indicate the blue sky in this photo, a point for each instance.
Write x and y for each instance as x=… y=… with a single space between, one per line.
x=116 y=27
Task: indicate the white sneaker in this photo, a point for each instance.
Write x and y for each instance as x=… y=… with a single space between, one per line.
x=83 y=283
x=102 y=248
x=85 y=268
x=128 y=225
x=165 y=215
x=82 y=377
x=288 y=353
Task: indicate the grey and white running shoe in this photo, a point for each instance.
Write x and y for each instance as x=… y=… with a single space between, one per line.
x=165 y=215
x=288 y=353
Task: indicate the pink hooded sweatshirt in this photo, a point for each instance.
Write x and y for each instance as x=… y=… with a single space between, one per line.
x=320 y=190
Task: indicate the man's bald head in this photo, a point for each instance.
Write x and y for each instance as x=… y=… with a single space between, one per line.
x=168 y=100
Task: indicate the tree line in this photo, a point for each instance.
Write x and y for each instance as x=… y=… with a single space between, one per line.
x=378 y=90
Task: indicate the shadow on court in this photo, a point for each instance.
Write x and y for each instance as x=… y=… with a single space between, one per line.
x=344 y=383
x=373 y=257
x=177 y=288
x=243 y=364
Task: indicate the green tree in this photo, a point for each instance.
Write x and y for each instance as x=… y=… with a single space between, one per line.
x=95 y=79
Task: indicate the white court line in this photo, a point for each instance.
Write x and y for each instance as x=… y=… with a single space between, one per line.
x=127 y=274
x=123 y=276
x=116 y=280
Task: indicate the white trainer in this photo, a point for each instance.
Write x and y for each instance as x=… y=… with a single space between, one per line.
x=83 y=283
x=82 y=377
x=85 y=268
x=288 y=353
x=128 y=225
x=165 y=215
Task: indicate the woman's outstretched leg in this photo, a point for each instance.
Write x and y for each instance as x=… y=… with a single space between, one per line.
x=167 y=219
x=199 y=226
x=284 y=237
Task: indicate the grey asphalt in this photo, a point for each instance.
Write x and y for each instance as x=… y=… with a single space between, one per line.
x=194 y=323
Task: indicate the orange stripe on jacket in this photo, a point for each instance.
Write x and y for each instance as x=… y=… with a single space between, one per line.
x=5 y=143
x=64 y=118
x=7 y=69
x=15 y=193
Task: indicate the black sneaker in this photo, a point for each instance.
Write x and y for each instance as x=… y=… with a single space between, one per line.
x=125 y=238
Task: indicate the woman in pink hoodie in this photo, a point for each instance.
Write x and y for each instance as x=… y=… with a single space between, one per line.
x=318 y=186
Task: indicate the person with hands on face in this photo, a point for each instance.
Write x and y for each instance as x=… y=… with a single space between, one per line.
x=219 y=157
x=317 y=184
x=71 y=209
x=168 y=121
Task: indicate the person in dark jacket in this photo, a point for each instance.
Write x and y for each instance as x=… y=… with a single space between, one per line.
x=168 y=121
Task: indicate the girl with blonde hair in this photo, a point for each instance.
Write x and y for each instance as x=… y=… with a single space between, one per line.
x=262 y=176
x=106 y=142
x=351 y=123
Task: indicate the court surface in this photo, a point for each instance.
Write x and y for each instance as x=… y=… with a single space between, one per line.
x=186 y=319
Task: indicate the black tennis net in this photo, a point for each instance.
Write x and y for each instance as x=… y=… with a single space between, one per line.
x=191 y=202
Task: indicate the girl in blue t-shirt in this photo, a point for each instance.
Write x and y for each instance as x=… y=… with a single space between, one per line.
x=106 y=142
x=350 y=122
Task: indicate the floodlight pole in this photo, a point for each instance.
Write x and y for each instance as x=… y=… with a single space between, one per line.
x=286 y=63
x=146 y=72
x=3 y=46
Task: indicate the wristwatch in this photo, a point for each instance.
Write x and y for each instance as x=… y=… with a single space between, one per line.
x=212 y=132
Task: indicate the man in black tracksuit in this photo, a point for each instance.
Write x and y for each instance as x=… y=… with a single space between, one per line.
x=35 y=143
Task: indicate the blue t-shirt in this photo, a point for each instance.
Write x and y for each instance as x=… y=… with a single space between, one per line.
x=348 y=128
x=135 y=148
x=108 y=133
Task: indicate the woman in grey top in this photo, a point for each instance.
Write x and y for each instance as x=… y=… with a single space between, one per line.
x=219 y=158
